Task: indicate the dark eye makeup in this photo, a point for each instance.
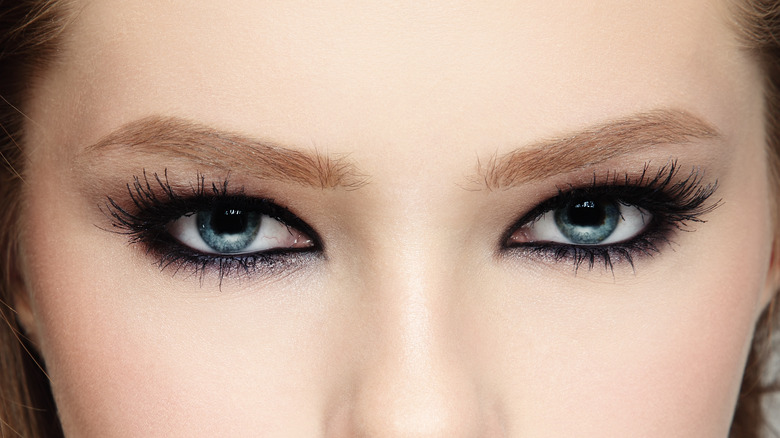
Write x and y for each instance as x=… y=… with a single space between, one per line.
x=210 y=227
x=662 y=202
x=225 y=222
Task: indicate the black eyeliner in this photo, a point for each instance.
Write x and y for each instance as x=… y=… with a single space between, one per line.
x=673 y=203
x=154 y=204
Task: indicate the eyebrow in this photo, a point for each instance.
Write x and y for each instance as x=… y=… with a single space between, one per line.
x=176 y=138
x=591 y=146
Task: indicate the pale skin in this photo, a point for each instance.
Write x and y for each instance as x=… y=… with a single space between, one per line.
x=413 y=323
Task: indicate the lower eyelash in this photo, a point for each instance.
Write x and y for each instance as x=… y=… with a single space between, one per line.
x=270 y=264
x=590 y=255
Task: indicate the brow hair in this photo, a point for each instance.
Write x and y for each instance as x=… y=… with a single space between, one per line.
x=591 y=146
x=176 y=138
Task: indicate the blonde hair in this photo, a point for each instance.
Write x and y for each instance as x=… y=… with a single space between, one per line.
x=29 y=34
x=758 y=27
x=28 y=38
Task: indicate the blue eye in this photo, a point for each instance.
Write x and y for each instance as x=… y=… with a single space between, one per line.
x=228 y=230
x=585 y=221
x=234 y=229
x=588 y=221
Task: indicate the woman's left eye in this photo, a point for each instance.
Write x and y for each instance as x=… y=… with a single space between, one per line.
x=227 y=229
x=585 y=221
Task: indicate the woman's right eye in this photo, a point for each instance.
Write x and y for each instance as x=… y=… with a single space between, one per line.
x=235 y=229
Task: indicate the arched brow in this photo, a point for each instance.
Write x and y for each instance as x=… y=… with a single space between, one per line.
x=172 y=138
x=591 y=146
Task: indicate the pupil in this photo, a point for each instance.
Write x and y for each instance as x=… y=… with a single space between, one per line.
x=586 y=214
x=588 y=221
x=227 y=229
x=228 y=221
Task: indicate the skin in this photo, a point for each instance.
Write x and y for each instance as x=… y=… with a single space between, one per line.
x=413 y=323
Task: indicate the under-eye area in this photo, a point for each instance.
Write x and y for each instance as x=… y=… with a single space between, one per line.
x=614 y=219
x=209 y=227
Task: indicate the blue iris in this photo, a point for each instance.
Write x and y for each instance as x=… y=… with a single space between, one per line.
x=228 y=230
x=588 y=221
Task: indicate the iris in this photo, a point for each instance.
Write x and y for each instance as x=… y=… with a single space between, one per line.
x=588 y=221
x=228 y=230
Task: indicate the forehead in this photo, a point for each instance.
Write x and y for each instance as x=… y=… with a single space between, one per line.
x=342 y=73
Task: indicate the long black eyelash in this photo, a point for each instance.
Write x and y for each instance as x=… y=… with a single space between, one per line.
x=154 y=203
x=673 y=202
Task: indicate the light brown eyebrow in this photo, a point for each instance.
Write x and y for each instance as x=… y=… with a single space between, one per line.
x=176 y=138
x=593 y=145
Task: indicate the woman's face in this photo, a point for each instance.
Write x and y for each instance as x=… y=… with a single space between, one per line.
x=382 y=219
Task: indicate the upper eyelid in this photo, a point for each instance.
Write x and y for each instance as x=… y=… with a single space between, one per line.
x=563 y=196
x=156 y=201
x=154 y=187
x=267 y=207
x=690 y=189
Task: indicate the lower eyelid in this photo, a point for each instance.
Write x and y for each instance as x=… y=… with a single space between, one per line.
x=179 y=261
x=647 y=245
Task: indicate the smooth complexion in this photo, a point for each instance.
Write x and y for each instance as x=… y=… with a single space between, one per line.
x=413 y=321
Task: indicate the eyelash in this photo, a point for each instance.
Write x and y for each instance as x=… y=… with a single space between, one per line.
x=156 y=204
x=674 y=203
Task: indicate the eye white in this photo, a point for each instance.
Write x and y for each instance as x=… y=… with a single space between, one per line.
x=632 y=222
x=272 y=234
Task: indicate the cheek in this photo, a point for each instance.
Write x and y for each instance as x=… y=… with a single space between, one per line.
x=668 y=366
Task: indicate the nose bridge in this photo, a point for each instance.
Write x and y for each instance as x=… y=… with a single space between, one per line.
x=411 y=381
